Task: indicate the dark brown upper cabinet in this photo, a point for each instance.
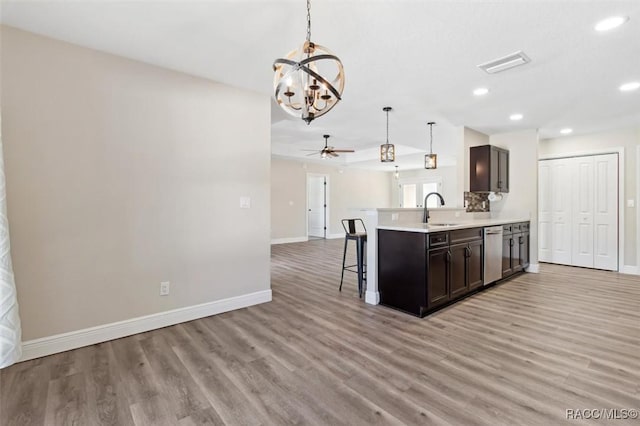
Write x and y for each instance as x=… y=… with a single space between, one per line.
x=489 y=169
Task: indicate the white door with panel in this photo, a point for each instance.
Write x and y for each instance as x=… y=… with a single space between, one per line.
x=578 y=211
x=606 y=212
x=316 y=206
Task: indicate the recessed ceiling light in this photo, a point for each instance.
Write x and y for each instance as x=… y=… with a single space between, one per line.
x=628 y=87
x=566 y=131
x=610 y=23
x=481 y=91
x=515 y=117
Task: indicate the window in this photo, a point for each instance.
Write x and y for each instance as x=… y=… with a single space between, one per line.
x=413 y=191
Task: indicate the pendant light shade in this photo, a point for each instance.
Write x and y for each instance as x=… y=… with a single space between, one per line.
x=431 y=159
x=387 y=150
x=309 y=81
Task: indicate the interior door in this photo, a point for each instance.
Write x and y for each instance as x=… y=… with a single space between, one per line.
x=316 y=190
x=606 y=212
x=582 y=235
x=544 y=211
x=561 y=179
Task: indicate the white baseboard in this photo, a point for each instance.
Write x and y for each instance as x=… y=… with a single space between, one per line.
x=534 y=268
x=629 y=269
x=335 y=236
x=289 y=240
x=372 y=297
x=89 y=336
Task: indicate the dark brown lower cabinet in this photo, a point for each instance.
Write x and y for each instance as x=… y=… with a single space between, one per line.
x=437 y=277
x=475 y=263
x=507 y=248
x=524 y=241
x=418 y=272
x=459 y=284
x=515 y=248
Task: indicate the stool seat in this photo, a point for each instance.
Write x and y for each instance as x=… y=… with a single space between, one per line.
x=357 y=235
x=355 y=230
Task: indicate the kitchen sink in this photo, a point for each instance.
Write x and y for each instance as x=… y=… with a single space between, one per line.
x=443 y=224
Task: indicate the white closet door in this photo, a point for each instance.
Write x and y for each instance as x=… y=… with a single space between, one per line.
x=583 y=194
x=561 y=178
x=606 y=212
x=544 y=211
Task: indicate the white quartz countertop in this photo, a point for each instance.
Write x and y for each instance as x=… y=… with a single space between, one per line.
x=448 y=226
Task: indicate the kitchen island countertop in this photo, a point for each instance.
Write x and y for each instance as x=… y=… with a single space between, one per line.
x=448 y=226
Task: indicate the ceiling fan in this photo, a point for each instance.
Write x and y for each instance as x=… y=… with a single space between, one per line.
x=328 y=151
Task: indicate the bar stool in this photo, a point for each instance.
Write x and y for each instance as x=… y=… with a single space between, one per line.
x=355 y=230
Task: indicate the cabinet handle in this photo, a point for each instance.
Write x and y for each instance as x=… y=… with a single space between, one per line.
x=467 y=251
x=447 y=258
x=511 y=242
x=521 y=240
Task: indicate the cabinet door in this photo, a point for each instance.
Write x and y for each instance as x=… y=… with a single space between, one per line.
x=503 y=171
x=516 y=266
x=507 y=246
x=437 y=276
x=494 y=171
x=458 y=271
x=524 y=250
x=475 y=258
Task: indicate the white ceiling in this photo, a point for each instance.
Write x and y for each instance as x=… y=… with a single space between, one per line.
x=419 y=57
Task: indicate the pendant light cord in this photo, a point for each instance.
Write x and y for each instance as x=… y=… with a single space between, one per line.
x=431 y=135
x=387 y=126
x=309 y=21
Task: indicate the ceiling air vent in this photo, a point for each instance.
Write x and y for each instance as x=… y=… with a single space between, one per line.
x=504 y=63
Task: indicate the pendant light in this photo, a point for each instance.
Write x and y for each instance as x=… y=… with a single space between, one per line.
x=397 y=173
x=431 y=159
x=387 y=150
x=299 y=88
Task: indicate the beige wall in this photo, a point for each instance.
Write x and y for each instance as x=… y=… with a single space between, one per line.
x=348 y=189
x=121 y=175
x=629 y=140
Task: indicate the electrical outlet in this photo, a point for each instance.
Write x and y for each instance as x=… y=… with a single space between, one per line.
x=164 y=288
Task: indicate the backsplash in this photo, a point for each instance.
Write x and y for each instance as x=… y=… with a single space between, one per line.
x=477 y=202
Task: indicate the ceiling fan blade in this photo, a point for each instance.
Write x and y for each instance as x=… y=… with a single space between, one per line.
x=333 y=154
x=313 y=153
x=343 y=150
x=314 y=150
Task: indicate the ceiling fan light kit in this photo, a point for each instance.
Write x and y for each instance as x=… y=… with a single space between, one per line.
x=431 y=159
x=309 y=81
x=387 y=150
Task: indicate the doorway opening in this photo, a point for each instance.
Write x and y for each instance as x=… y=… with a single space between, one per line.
x=317 y=205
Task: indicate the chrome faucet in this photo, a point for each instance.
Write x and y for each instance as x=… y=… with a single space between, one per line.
x=425 y=215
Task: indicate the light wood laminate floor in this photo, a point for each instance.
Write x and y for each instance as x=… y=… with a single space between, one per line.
x=520 y=353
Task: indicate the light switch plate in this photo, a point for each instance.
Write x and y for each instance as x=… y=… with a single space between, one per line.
x=631 y=203
x=245 y=202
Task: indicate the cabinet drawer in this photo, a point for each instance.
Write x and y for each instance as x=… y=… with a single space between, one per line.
x=524 y=227
x=464 y=235
x=515 y=227
x=506 y=230
x=438 y=239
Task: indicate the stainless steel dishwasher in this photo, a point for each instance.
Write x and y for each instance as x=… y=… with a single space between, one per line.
x=492 y=254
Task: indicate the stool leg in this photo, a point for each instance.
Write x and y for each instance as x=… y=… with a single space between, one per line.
x=359 y=260
x=344 y=257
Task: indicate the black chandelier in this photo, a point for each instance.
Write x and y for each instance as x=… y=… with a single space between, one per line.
x=309 y=81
